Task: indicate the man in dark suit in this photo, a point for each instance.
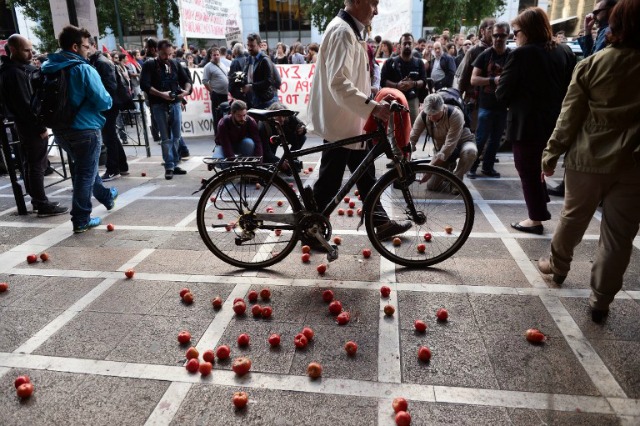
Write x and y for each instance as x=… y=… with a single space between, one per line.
x=260 y=89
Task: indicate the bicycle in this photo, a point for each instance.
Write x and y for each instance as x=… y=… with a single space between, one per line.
x=249 y=217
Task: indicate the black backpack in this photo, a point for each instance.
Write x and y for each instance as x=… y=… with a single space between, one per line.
x=124 y=96
x=50 y=101
x=452 y=97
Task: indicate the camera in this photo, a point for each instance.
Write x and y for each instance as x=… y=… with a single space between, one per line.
x=413 y=75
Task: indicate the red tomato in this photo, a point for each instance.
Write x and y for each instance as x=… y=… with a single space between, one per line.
x=534 y=335
x=205 y=368
x=274 y=339
x=209 y=356
x=240 y=399
x=4 y=287
x=192 y=353
x=256 y=311
x=280 y=203
x=267 y=311
x=44 y=256
x=216 y=302
x=389 y=310
x=327 y=296
x=349 y=212
x=343 y=318
x=397 y=242
x=21 y=380
x=322 y=268
x=239 y=307
x=314 y=370
x=238 y=299
x=351 y=347
x=335 y=307
x=25 y=390
x=306 y=249
x=184 y=337
x=188 y=298
x=241 y=366
x=403 y=418
x=424 y=354
x=356 y=192
x=306 y=257
x=278 y=232
x=184 y=291
x=223 y=352
x=385 y=291
x=442 y=314
x=300 y=340
x=427 y=237
x=366 y=253
x=352 y=204
x=308 y=333
x=359 y=212
x=252 y=296
x=337 y=240
x=220 y=216
x=129 y=273
x=421 y=248
x=110 y=227
x=420 y=326
x=265 y=294
x=32 y=258
x=340 y=212
x=448 y=229
x=347 y=199
x=193 y=365
x=243 y=339
x=400 y=404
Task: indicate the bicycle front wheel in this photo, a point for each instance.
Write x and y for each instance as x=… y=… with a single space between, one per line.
x=246 y=222
x=440 y=210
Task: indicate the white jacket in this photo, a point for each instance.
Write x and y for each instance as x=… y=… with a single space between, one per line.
x=341 y=85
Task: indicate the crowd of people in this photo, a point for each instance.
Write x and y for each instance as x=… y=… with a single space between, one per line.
x=463 y=92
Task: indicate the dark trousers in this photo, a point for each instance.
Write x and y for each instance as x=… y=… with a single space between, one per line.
x=332 y=165
x=116 y=157
x=216 y=100
x=527 y=156
x=34 y=150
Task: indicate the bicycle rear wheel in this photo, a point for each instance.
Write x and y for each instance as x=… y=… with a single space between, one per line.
x=442 y=219
x=244 y=222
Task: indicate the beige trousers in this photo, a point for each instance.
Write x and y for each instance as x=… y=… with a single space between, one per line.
x=620 y=195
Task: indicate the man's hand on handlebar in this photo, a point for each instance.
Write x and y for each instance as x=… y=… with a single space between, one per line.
x=382 y=111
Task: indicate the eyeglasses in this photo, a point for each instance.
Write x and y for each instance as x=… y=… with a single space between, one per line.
x=500 y=35
x=595 y=12
x=515 y=32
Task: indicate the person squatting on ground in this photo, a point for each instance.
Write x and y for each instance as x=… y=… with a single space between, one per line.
x=492 y=115
x=15 y=96
x=532 y=85
x=82 y=140
x=237 y=134
x=116 y=157
x=166 y=83
x=294 y=132
x=340 y=104
x=599 y=132
x=454 y=144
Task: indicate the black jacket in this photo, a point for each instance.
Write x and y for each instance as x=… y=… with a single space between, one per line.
x=262 y=86
x=107 y=71
x=15 y=95
x=152 y=74
x=533 y=84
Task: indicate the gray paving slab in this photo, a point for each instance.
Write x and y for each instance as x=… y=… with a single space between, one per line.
x=196 y=262
x=153 y=212
x=480 y=222
x=62 y=398
x=20 y=287
x=57 y=293
x=427 y=413
x=363 y=305
x=183 y=241
x=91 y=335
x=290 y=305
x=550 y=368
x=119 y=238
x=527 y=417
x=423 y=306
x=11 y=237
x=458 y=359
x=19 y=324
x=621 y=324
x=270 y=407
x=446 y=272
x=499 y=189
x=170 y=303
x=501 y=273
x=484 y=248
x=96 y=259
x=621 y=358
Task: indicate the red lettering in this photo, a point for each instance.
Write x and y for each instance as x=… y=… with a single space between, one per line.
x=302 y=85
x=312 y=71
x=284 y=86
x=295 y=71
x=306 y=98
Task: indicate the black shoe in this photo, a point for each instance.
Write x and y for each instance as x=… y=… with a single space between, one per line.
x=168 y=174
x=45 y=210
x=558 y=191
x=497 y=160
x=471 y=174
x=490 y=173
x=106 y=177
x=185 y=155
x=179 y=171
x=391 y=164
x=392 y=228
x=535 y=229
x=49 y=171
x=598 y=315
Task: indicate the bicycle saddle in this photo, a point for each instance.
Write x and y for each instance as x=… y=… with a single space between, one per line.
x=265 y=114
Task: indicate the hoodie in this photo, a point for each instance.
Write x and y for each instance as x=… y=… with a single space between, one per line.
x=86 y=90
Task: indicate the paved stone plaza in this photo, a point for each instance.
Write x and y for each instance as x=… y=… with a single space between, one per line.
x=102 y=349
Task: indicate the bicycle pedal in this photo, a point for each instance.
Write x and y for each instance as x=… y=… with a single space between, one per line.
x=333 y=253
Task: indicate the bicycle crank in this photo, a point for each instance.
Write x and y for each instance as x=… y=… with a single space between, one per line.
x=332 y=249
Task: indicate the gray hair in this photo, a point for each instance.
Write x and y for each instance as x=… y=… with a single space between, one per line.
x=503 y=25
x=433 y=104
x=238 y=49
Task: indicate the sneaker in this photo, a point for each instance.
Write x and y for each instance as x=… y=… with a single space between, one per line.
x=93 y=222
x=114 y=196
x=37 y=206
x=127 y=173
x=392 y=228
x=179 y=171
x=106 y=177
x=490 y=173
x=185 y=155
x=52 y=209
x=168 y=174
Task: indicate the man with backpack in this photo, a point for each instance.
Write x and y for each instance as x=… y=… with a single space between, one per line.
x=454 y=144
x=116 y=158
x=76 y=120
x=15 y=96
x=166 y=83
x=262 y=78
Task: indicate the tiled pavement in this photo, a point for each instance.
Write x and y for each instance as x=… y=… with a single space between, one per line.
x=101 y=349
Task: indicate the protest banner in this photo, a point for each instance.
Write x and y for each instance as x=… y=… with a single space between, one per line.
x=211 y=19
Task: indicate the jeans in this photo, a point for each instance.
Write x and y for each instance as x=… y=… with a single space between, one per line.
x=245 y=148
x=491 y=125
x=34 y=150
x=168 y=121
x=83 y=148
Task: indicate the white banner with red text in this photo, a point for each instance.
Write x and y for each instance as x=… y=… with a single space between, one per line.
x=210 y=19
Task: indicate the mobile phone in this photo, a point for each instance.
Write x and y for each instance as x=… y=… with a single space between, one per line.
x=413 y=75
